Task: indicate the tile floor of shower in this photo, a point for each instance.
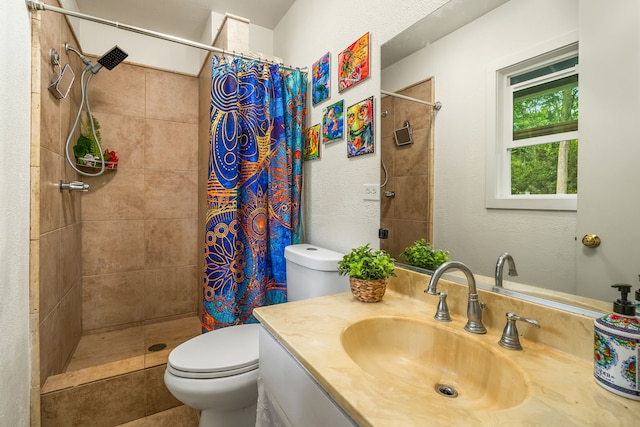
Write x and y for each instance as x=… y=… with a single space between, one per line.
x=113 y=379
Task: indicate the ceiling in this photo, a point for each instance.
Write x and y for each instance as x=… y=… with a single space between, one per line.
x=184 y=18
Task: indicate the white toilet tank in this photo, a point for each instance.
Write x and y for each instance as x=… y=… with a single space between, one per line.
x=312 y=272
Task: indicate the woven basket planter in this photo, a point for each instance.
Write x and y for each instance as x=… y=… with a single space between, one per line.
x=368 y=290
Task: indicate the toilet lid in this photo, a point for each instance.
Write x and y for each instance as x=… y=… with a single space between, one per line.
x=220 y=353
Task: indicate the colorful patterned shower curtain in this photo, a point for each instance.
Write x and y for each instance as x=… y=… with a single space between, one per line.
x=253 y=193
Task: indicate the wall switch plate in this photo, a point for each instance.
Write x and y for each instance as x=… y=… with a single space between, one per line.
x=371 y=192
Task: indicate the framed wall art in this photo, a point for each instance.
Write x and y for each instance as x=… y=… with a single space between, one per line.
x=333 y=122
x=321 y=79
x=360 y=129
x=312 y=142
x=353 y=63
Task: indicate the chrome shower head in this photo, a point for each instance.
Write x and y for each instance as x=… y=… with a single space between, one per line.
x=112 y=58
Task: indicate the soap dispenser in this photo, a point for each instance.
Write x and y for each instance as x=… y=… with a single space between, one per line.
x=617 y=347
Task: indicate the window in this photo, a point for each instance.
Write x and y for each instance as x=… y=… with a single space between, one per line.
x=535 y=148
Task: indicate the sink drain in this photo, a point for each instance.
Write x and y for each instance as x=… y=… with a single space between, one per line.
x=446 y=391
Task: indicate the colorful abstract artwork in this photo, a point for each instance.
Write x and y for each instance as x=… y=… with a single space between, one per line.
x=360 y=128
x=312 y=142
x=333 y=122
x=321 y=79
x=353 y=63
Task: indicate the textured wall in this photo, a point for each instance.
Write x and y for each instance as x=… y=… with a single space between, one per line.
x=335 y=214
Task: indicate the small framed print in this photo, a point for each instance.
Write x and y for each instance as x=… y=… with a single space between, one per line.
x=353 y=63
x=321 y=79
x=312 y=142
x=360 y=128
x=333 y=122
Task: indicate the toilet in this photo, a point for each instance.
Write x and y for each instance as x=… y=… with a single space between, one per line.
x=223 y=384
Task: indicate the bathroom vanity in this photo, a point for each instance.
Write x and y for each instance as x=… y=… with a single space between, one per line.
x=392 y=364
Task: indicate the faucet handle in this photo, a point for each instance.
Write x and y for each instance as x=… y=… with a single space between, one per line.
x=442 y=314
x=510 y=338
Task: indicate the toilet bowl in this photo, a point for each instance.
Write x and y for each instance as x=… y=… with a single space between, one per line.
x=217 y=372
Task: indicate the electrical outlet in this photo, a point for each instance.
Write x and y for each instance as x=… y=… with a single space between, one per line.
x=371 y=192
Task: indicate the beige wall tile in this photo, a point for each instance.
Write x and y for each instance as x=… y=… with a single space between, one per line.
x=50 y=334
x=70 y=324
x=71 y=256
x=170 y=194
x=170 y=292
x=119 y=91
x=50 y=196
x=170 y=145
x=170 y=242
x=112 y=247
x=98 y=404
x=124 y=134
x=158 y=397
x=114 y=196
x=112 y=300
x=411 y=197
x=411 y=159
x=50 y=273
x=171 y=96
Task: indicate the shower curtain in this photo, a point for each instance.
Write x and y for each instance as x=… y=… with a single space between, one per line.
x=257 y=117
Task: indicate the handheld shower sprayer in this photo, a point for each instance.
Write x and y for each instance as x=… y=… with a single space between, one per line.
x=109 y=61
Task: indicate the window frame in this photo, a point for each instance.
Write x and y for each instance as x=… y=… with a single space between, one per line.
x=500 y=125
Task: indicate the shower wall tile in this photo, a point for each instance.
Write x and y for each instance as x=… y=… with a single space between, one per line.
x=119 y=91
x=50 y=273
x=170 y=145
x=419 y=115
x=50 y=196
x=123 y=250
x=171 y=96
x=408 y=215
x=71 y=257
x=158 y=397
x=103 y=403
x=170 y=194
x=170 y=242
x=411 y=159
x=112 y=299
x=412 y=196
x=50 y=114
x=50 y=349
x=114 y=196
x=124 y=134
x=170 y=292
x=70 y=324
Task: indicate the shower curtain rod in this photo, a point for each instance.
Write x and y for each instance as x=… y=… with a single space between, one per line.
x=436 y=105
x=39 y=5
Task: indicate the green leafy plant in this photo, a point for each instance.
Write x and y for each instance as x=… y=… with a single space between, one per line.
x=87 y=143
x=366 y=263
x=422 y=255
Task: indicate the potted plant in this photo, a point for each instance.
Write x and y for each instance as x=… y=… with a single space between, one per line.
x=368 y=270
x=422 y=255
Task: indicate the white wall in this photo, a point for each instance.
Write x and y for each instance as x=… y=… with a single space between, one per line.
x=335 y=214
x=15 y=69
x=96 y=39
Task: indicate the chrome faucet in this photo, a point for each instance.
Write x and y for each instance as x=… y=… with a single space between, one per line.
x=474 y=309
x=500 y=266
x=510 y=338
